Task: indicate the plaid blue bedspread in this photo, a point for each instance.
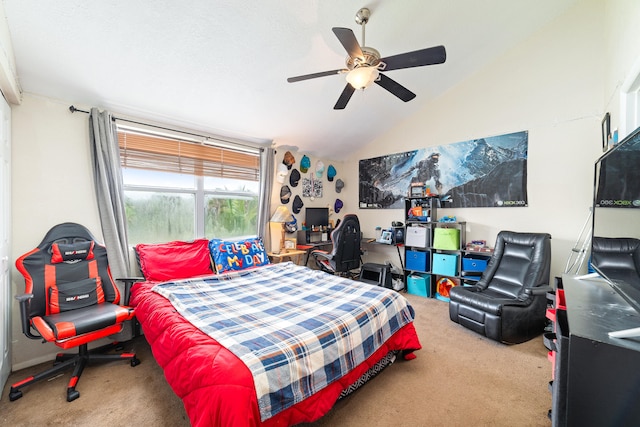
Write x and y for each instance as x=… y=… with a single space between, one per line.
x=296 y=329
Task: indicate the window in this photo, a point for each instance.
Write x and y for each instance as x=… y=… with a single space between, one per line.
x=180 y=189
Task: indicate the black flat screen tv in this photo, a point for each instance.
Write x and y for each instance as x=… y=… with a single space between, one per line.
x=316 y=217
x=616 y=214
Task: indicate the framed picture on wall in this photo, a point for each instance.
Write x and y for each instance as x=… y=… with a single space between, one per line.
x=606 y=131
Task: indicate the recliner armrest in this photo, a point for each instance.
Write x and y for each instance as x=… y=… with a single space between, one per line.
x=538 y=290
x=23 y=300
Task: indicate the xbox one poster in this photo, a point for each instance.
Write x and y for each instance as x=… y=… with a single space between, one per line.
x=485 y=172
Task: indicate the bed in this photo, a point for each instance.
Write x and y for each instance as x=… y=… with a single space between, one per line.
x=271 y=345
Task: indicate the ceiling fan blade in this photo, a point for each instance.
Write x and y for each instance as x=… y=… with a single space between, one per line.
x=315 y=75
x=395 y=88
x=417 y=58
x=345 y=96
x=348 y=41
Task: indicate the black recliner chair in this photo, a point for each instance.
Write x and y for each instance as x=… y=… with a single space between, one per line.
x=509 y=302
x=346 y=253
x=618 y=258
x=71 y=300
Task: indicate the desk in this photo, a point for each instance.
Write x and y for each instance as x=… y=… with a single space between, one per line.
x=291 y=254
x=372 y=241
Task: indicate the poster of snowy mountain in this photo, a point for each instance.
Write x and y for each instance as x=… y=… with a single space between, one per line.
x=485 y=172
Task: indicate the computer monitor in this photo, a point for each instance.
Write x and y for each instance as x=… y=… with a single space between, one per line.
x=316 y=217
x=616 y=213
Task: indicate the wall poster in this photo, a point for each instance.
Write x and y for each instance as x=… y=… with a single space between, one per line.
x=485 y=172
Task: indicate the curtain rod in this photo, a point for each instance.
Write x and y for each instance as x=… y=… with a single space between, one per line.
x=73 y=109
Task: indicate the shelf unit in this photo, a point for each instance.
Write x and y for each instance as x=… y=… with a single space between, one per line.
x=421 y=256
x=417 y=256
x=446 y=266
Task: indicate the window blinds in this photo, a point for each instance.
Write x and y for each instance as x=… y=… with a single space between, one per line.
x=152 y=152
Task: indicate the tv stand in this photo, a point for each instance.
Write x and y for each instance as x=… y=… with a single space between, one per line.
x=596 y=376
x=621 y=333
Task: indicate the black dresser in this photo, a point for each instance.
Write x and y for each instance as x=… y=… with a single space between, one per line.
x=596 y=378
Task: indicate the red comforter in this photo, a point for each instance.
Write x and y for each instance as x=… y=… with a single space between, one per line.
x=215 y=386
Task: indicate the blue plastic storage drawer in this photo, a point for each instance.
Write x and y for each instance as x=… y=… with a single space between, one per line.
x=475 y=263
x=417 y=260
x=445 y=264
x=419 y=284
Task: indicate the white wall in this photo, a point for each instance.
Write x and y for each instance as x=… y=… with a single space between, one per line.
x=52 y=182
x=329 y=194
x=552 y=85
x=623 y=51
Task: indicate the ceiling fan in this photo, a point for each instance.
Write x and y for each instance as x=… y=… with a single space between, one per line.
x=364 y=64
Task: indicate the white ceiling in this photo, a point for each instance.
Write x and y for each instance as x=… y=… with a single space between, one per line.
x=221 y=66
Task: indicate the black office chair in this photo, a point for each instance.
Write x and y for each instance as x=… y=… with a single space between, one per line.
x=508 y=304
x=346 y=252
x=618 y=258
x=71 y=300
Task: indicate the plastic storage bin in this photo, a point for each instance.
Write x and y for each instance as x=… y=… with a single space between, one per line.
x=446 y=238
x=419 y=284
x=475 y=263
x=417 y=236
x=417 y=260
x=445 y=264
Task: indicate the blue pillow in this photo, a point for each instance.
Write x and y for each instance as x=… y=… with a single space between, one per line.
x=238 y=255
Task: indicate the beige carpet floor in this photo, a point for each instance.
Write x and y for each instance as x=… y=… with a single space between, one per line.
x=458 y=379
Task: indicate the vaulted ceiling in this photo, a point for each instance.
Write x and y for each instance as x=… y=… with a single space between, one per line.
x=222 y=66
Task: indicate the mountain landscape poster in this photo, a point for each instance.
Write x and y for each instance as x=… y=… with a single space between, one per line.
x=485 y=172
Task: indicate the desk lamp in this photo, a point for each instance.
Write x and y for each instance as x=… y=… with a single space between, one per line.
x=280 y=216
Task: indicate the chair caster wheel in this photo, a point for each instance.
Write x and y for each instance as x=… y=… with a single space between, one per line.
x=135 y=362
x=118 y=347
x=15 y=395
x=72 y=395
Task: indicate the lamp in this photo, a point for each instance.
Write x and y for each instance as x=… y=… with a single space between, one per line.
x=361 y=77
x=280 y=216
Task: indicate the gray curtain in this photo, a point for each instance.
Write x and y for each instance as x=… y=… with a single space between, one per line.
x=105 y=155
x=267 y=158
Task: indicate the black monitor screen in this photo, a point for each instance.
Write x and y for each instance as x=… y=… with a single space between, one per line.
x=317 y=217
x=615 y=214
x=618 y=175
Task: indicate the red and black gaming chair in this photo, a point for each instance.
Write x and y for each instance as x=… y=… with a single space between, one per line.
x=70 y=299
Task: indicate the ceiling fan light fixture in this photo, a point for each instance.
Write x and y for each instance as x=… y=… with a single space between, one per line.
x=362 y=77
